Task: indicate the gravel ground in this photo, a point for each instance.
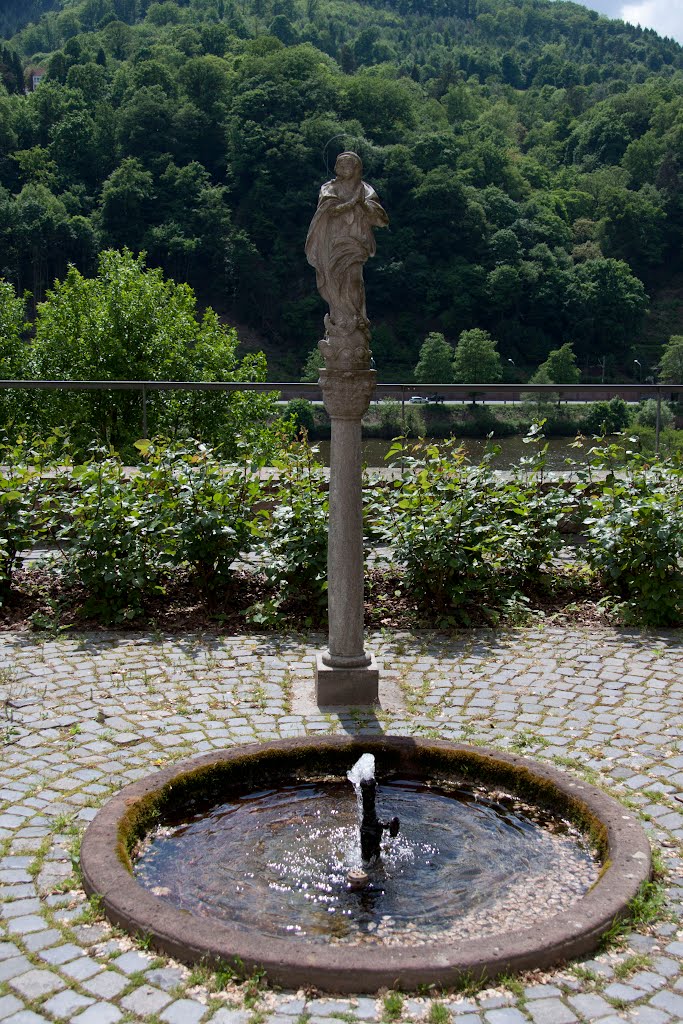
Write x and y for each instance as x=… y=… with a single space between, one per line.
x=84 y=714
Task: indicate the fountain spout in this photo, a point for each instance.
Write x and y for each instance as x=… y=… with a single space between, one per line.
x=371 y=827
x=362 y=776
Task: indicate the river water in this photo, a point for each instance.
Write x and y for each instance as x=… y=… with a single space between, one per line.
x=512 y=449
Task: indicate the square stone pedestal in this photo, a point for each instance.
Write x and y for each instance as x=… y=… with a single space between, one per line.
x=357 y=686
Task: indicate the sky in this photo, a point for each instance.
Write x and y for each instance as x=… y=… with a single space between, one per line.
x=664 y=16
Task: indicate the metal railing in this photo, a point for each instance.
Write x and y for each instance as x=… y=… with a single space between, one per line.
x=398 y=392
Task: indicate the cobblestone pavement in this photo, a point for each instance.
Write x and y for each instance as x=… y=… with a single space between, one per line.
x=82 y=715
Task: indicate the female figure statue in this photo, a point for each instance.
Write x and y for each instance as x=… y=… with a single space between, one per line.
x=340 y=240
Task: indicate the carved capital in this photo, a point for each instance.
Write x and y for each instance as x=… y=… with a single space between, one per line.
x=347 y=393
x=346 y=345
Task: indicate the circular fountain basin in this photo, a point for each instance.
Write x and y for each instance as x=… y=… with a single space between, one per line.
x=242 y=856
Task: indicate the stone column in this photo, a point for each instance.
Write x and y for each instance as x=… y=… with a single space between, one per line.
x=340 y=240
x=345 y=673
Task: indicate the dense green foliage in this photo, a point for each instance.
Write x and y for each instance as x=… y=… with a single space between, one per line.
x=467 y=545
x=129 y=323
x=635 y=533
x=671 y=363
x=529 y=155
x=463 y=535
x=435 y=365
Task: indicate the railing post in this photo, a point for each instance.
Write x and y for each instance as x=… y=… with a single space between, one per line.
x=658 y=421
x=144 y=411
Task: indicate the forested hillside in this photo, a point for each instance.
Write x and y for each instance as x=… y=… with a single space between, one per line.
x=530 y=156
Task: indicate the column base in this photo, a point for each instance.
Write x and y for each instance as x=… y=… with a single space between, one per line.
x=335 y=686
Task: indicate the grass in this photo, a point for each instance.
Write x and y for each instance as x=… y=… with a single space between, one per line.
x=513 y=985
x=93 y=910
x=438 y=1014
x=526 y=739
x=392 y=1006
x=647 y=906
x=627 y=967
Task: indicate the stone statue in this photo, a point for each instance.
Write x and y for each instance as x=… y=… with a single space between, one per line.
x=340 y=240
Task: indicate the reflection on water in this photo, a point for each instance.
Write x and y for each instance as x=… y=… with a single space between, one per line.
x=278 y=859
x=512 y=449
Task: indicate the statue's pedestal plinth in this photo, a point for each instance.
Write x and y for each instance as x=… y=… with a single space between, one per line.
x=340 y=684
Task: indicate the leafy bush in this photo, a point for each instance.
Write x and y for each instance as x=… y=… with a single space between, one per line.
x=131 y=323
x=295 y=548
x=29 y=509
x=117 y=542
x=464 y=536
x=211 y=509
x=126 y=532
x=646 y=415
x=604 y=418
x=300 y=412
x=635 y=533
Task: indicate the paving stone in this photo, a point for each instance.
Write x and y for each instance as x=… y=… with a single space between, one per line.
x=26 y=1017
x=184 y=1011
x=225 y=1016
x=624 y=993
x=100 y=1013
x=505 y=1015
x=81 y=969
x=66 y=1004
x=541 y=991
x=36 y=983
x=61 y=954
x=8 y=1006
x=364 y=1007
x=166 y=978
x=131 y=963
x=648 y=1015
x=145 y=999
x=551 y=1011
x=647 y=980
x=26 y=925
x=328 y=1007
x=295 y=1007
x=106 y=985
x=41 y=940
x=669 y=1002
x=589 y=1005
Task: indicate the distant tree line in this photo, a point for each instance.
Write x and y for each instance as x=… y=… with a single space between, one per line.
x=529 y=155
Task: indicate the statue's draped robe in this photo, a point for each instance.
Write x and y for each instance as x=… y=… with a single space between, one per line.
x=338 y=246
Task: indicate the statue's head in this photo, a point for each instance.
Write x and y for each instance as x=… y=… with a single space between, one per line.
x=348 y=166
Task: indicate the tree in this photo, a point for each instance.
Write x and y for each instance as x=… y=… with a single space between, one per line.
x=476 y=359
x=12 y=326
x=671 y=363
x=435 y=365
x=130 y=323
x=311 y=369
x=559 y=368
x=13 y=352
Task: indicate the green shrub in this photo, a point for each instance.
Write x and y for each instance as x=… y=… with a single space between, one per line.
x=29 y=508
x=635 y=533
x=211 y=509
x=117 y=542
x=295 y=547
x=465 y=537
x=646 y=415
x=602 y=418
x=300 y=413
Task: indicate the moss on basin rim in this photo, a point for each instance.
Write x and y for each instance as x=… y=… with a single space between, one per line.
x=292 y=961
